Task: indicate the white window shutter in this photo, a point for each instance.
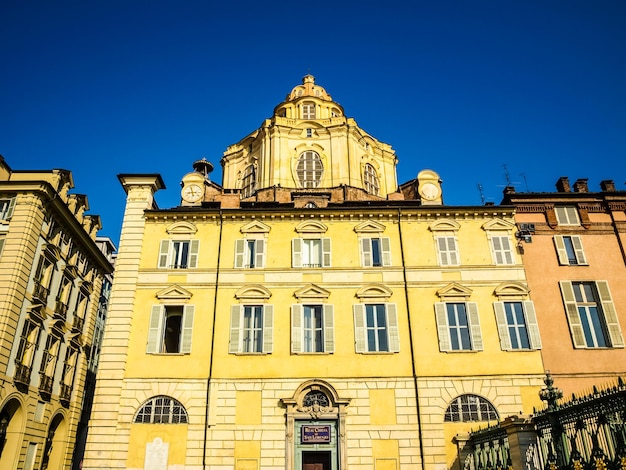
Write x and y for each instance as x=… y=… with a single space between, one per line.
x=507 y=250
x=578 y=249
x=360 y=333
x=194 y=247
x=234 y=345
x=442 y=251
x=503 y=329
x=366 y=252
x=268 y=328
x=259 y=261
x=329 y=329
x=1 y=244
x=573 y=318
x=240 y=246
x=453 y=252
x=442 y=326
x=296 y=328
x=610 y=315
x=11 y=208
x=187 y=329
x=154 y=330
x=296 y=252
x=385 y=244
x=474 y=325
x=163 y=253
x=532 y=325
x=392 y=327
x=326 y=252
x=561 y=252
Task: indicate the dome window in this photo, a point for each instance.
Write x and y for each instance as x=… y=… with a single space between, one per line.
x=309 y=169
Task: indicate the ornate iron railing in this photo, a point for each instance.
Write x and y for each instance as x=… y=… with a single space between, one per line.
x=22 y=374
x=65 y=393
x=78 y=324
x=60 y=310
x=45 y=385
x=40 y=292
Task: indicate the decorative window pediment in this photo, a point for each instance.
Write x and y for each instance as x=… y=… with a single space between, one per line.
x=454 y=291
x=498 y=224
x=256 y=226
x=181 y=228
x=311 y=226
x=370 y=226
x=374 y=292
x=445 y=225
x=511 y=290
x=253 y=292
x=174 y=292
x=311 y=293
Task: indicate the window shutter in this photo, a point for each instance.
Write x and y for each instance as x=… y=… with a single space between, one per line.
x=392 y=327
x=503 y=329
x=296 y=252
x=187 y=330
x=532 y=325
x=235 y=329
x=386 y=250
x=360 y=339
x=239 y=252
x=326 y=260
x=154 y=330
x=329 y=329
x=366 y=252
x=578 y=249
x=268 y=328
x=507 y=251
x=452 y=251
x=11 y=208
x=259 y=246
x=496 y=249
x=296 y=328
x=163 y=252
x=560 y=250
x=193 y=253
x=441 y=250
x=1 y=244
x=573 y=318
x=442 y=326
x=474 y=325
x=610 y=315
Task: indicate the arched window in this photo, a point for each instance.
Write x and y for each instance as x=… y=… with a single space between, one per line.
x=466 y=408
x=372 y=185
x=248 y=182
x=309 y=169
x=308 y=110
x=161 y=410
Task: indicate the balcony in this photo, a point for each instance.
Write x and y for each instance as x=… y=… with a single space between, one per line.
x=41 y=292
x=60 y=310
x=65 y=394
x=45 y=386
x=78 y=324
x=22 y=375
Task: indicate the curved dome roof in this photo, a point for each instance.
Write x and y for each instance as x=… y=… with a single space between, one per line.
x=308 y=88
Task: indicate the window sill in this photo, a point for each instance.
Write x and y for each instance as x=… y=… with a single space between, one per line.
x=386 y=353
x=250 y=353
x=167 y=354
x=316 y=353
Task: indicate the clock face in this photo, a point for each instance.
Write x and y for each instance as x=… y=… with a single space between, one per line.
x=192 y=193
x=429 y=191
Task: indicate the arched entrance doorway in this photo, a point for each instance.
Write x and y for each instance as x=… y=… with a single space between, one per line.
x=11 y=432
x=56 y=443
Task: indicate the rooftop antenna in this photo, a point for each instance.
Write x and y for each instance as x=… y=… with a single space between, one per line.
x=506 y=175
x=482 y=195
x=523 y=175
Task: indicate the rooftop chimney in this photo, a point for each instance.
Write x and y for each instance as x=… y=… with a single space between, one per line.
x=580 y=186
x=562 y=185
x=608 y=186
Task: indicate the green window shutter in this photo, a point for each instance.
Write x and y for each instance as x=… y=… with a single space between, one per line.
x=610 y=315
x=240 y=246
x=366 y=252
x=561 y=252
x=578 y=249
x=268 y=328
x=187 y=329
x=503 y=329
x=154 y=330
x=385 y=244
x=296 y=252
x=296 y=328
x=235 y=329
x=329 y=329
x=442 y=327
x=194 y=246
x=163 y=252
x=532 y=325
x=573 y=317
x=474 y=325
x=392 y=327
x=360 y=334
x=326 y=259
x=11 y=208
x=259 y=261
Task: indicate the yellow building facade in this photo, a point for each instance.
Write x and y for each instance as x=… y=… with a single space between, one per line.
x=310 y=312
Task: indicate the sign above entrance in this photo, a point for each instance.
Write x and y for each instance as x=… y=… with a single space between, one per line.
x=315 y=434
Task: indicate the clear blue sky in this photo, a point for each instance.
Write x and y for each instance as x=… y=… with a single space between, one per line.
x=461 y=87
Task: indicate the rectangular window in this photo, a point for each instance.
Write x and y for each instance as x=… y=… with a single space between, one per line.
x=458 y=326
x=376 y=328
x=501 y=249
x=569 y=250
x=591 y=314
x=448 y=251
x=6 y=208
x=308 y=111
x=170 y=329
x=517 y=325
x=312 y=329
x=2 y=240
x=249 y=253
x=310 y=252
x=567 y=215
x=375 y=252
x=176 y=254
x=251 y=329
